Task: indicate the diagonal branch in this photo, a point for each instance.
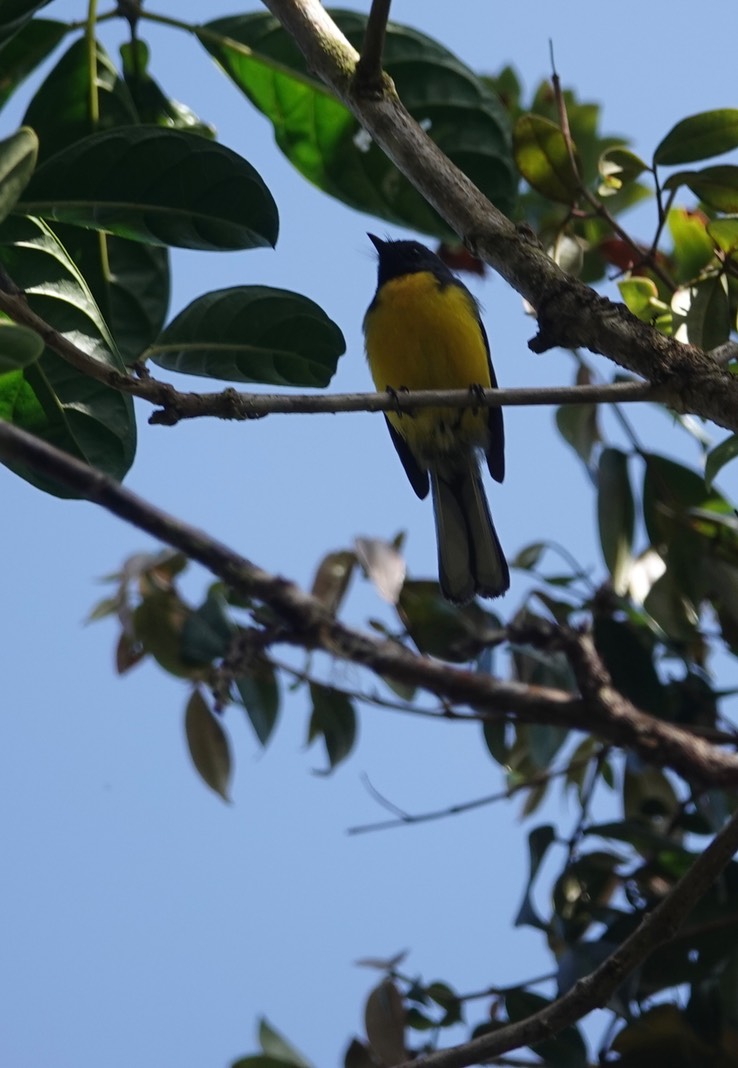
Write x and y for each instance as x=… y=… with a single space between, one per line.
x=569 y=313
x=308 y=624
x=596 y=989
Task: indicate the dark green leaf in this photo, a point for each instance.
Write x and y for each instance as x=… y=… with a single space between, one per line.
x=540 y=151
x=17 y=160
x=208 y=632
x=709 y=133
x=718 y=457
x=334 y=720
x=670 y=490
x=441 y=629
x=50 y=398
x=20 y=56
x=259 y=692
x=715 y=186
x=577 y=424
x=14 y=14
x=527 y=557
x=129 y=281
x=208 y=745
x=494 y=732
x=152 y=105
x=123 y=182
x=276 y=1045
x=566 y=1050
x=539 y=839
x=19 y=346
x=615 y=515
x=332 y=577
x=629 y=660
x=60 y=110
x=323 y=140
x=252 y=334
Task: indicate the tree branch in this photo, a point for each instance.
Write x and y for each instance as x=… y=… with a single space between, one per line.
x=595 y=990
x=569 y=313
x=308 y=625
x=369 y=68
x=175 y=405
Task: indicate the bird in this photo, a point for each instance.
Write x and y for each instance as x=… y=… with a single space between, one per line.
x=423 y=330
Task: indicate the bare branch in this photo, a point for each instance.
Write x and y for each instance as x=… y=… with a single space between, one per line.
x=307 y=624
x=231 y=404
x=595 y=990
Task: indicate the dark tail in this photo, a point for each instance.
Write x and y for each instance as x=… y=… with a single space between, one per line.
x=470 y=557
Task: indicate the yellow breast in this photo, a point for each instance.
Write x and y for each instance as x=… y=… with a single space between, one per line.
x=420 y=335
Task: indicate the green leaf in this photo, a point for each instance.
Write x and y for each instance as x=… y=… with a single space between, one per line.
x=259 y=692
x=702 y=312
x=16 y=13
x=539 y=840
x=159 y=186
x=641 y=297
x=542 y=157
x=724 y=233
x=252 y=334
x=152 y=105
x=334 y=720
x=129 y=280
x=208 y=745
x=50 y=398
x=19 y=346
x=323 y=140
x=566 y=1050
x=208 y=631
x=17 y=159
x=719 y=456
x=20 y=55
x=60 y=110
x=618 y=166
x=693 y=249
x=709 y=133
x=629 y=660
x=441 y=629
x=276 y=1045
x=717 y=187
x=615 y=515
x=577 y=424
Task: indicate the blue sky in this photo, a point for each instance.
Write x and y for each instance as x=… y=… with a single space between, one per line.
x=144 y=921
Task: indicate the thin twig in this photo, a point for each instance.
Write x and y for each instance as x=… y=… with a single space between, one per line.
x=368 y=78
x=596 y=989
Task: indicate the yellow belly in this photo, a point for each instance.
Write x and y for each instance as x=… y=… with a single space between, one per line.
x=421 y=336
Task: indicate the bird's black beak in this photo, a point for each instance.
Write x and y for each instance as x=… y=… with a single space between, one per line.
x=377 y=242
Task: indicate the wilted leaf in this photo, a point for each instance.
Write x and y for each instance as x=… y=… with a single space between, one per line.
x=208 y=745
x=383 y=565
x=332 y=578
x=384 y=1019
